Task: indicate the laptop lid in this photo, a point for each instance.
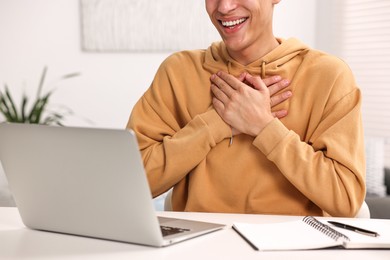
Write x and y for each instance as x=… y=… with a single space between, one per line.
x=83 y=181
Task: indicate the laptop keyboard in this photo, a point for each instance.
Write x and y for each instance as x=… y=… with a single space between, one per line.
x=166 y=230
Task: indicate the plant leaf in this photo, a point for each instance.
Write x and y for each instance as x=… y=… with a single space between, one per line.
x=71 y=75
x=37 y=109
x=11 y=105
x=53 y=118
x=41 y=82
x=23 y=114
x=4 y=108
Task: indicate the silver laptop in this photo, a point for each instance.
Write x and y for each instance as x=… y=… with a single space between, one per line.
x=86 y=181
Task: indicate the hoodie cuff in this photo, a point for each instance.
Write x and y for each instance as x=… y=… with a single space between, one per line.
x=219 y=130
x=270 y=136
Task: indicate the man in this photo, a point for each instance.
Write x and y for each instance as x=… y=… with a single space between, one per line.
x=208 y=127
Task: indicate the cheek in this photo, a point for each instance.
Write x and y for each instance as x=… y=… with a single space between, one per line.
x=209 y=6
x=210 y=9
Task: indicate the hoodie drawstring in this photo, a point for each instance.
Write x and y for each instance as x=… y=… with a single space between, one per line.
x=263 y=69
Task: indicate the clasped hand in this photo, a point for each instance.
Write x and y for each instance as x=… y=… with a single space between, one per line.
x=245 y=102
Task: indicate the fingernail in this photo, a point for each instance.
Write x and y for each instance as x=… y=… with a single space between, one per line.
x=277 y=78
x=285 y=82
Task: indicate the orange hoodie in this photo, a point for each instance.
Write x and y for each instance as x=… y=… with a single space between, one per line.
x=309 y=163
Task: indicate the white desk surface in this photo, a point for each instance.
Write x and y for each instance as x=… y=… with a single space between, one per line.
x=19 y=242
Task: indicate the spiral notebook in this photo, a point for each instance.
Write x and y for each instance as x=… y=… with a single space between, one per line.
x=311 y=233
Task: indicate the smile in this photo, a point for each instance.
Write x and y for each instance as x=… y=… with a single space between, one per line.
x=231 y=24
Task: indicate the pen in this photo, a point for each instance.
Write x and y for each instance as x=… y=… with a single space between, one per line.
x=355 y=229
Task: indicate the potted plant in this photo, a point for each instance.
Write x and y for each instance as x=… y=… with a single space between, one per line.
x=38 y=113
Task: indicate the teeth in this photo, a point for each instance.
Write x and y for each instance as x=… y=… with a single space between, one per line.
x=233 y=23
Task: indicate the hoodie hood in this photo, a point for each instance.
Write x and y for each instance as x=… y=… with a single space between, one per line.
x=217 y=58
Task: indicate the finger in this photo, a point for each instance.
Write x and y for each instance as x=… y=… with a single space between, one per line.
x=279 y=98
x=230 y=80
x=218 y=106
x=222 y=85
x=242 y=76
x=219 y=94
x=272 y=80
x=256 y=82
x=276 y=87
x=280 y=114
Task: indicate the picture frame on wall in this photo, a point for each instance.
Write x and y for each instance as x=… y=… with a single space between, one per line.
x=145 y=25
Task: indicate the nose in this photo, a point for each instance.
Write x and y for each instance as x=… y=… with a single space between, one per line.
x=226 y=6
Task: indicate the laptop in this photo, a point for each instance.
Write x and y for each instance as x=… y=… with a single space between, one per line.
x=88 y=182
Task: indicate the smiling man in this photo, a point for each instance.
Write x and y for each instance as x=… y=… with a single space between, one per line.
x=214 y=124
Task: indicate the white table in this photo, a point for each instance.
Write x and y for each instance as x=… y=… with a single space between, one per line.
x=19 y=242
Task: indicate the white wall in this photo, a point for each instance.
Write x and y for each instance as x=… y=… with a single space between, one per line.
x=297 y=18
x=47 y=32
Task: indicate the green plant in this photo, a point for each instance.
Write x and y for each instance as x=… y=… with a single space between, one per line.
x=39 y=112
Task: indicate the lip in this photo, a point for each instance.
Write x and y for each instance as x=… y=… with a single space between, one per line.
x=233 y=28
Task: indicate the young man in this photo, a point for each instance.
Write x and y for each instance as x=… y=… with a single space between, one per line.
x=208 y=127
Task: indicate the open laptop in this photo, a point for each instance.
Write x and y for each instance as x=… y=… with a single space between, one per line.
x=86 y=181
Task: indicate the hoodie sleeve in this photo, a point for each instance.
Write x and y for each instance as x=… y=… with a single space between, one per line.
x=163 y=132
x=329 y=167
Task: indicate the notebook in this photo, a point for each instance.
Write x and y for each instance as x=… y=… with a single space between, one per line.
x=311 y=233
x=88 y=182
